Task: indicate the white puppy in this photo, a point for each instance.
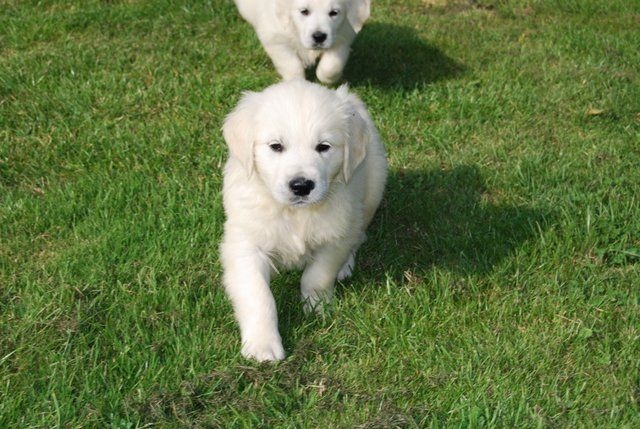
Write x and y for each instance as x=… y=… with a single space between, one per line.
x=298 y=33
x=305 y=175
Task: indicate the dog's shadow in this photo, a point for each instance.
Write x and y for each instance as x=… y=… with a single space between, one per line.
x=390 y=55
x=447 y=219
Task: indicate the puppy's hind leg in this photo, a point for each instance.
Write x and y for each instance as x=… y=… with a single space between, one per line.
x=347 y=267
x=350 y=263
x=318 y=279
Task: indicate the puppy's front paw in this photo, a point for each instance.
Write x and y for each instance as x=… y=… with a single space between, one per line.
x=328 y=77
x=329 y=69
x=263 y=349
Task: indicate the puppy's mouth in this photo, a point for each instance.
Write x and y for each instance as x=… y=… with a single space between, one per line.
x=306 y=201
x=300 y=202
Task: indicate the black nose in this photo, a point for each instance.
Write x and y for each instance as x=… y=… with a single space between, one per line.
x=301 y=186
x=319 y=36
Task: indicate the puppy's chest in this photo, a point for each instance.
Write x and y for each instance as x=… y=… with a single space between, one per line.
x=296 y=238
x=309 y=57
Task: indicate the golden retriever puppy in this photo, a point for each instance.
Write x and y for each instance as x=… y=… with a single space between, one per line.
x=298 y=33
x=305 y=175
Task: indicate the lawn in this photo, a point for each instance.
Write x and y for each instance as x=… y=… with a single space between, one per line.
x=499 y=287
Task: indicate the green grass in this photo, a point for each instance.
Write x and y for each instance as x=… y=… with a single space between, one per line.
x=500 y=286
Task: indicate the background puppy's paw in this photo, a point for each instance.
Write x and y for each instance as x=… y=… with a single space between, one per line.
x=328 y=79
x=263 y=350
x=329 y=71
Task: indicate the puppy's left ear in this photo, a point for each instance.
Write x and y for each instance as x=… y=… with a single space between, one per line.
x=357 y=13
x=282 y=11
x=359 y=132
x=238 y=131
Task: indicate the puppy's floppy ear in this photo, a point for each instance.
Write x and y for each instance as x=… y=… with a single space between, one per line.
x=359 y=132
x=357 y=13
x=238 y=130
x=282 y=11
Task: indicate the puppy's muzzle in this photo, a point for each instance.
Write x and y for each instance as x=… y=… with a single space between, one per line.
x=301 y=187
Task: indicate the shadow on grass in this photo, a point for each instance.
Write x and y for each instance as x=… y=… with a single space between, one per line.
x=444 y=218
x=393 y=56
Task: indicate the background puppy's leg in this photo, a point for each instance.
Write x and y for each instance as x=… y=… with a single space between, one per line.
x=285 y=61
x=246 y=278
x=331 y=64
x=319 y=276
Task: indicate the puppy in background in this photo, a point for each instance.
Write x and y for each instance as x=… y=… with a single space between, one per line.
x=298 y=33
x=305 y=175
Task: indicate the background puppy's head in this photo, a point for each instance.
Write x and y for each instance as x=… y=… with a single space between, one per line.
x=299 y=138
x=317 y=21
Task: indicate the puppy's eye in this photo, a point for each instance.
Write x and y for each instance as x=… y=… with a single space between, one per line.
x=276 y=147
x=304 y=12
x=334 y=13
x=323 y=147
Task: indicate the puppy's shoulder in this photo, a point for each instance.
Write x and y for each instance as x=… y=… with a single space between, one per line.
x=242 y=192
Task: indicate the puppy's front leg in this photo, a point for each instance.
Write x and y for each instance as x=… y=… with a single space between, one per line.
x=331 y=64
x=285 y=61
x=319 y=276
x=246 y=278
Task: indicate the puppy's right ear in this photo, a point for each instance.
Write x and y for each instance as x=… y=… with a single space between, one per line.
x=238 y=131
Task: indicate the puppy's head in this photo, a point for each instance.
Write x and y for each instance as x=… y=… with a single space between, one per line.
x=317 y=21
x=299 y=138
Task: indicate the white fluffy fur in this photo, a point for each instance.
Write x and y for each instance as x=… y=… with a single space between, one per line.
x=268 y=226
x=286 y=27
